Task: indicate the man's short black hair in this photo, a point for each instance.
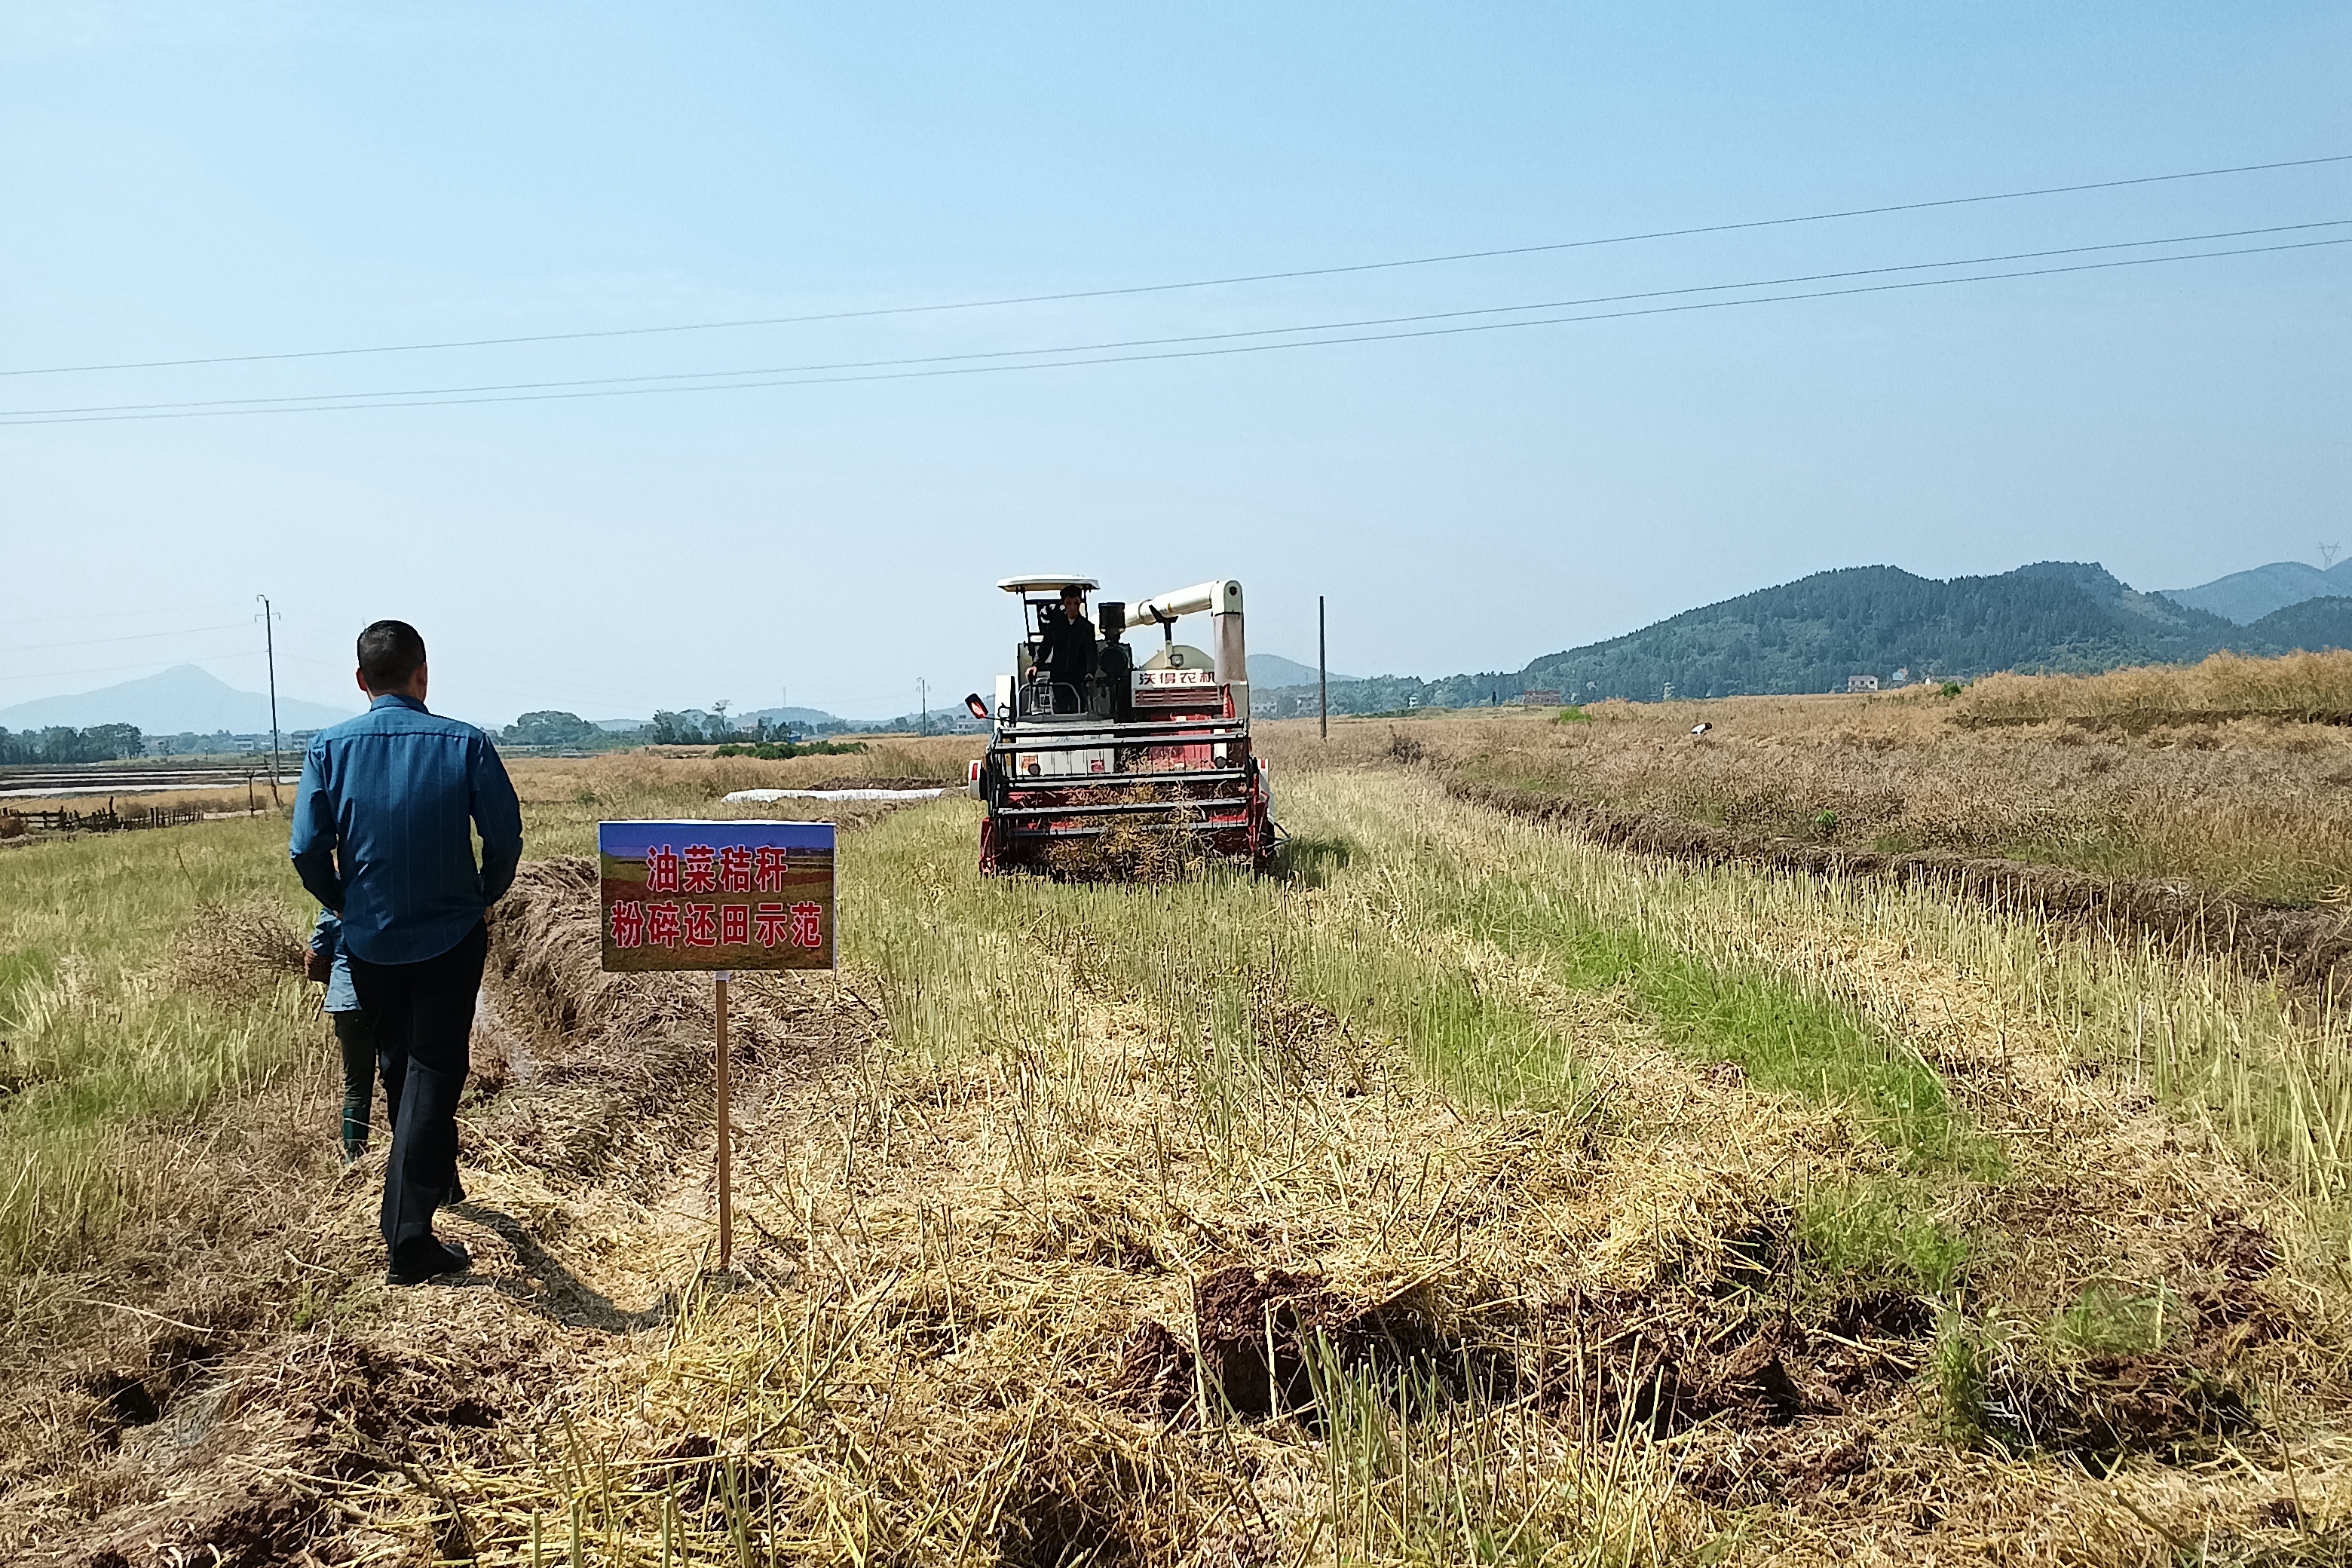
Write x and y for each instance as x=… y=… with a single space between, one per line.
x=1072 y=591
x=390 y=652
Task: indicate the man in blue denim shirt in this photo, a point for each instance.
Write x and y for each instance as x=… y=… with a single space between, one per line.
x=384 y=825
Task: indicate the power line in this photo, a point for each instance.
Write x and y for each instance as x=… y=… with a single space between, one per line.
x=927 y=370
x=267 y=404
x=463 y=682
x=468 y=681
x=148 y=614
x=651 y=693
x=131 y=637
x=142 y=664
x=1075 y=294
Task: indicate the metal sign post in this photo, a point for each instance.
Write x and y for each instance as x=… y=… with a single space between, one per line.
x=716 y=896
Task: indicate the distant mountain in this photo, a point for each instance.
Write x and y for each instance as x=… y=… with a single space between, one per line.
x=1814 y=633
x=2246 y=597
x=1272 y=669
x=1811 y=635
x=2313 y=624
x=179 y=700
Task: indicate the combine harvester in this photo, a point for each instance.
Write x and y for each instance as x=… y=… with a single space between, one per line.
x=1161 y=747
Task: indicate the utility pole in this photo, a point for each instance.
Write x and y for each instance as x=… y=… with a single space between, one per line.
x=1322 y=668
x=924 y=687
x=270 y=644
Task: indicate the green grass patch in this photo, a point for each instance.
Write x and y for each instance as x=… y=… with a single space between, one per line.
x=1787 y=1039
x=1222 y=962
x=2102 y=854
x=2283 y=873
x=2111 y=1318
x=1869 y=1235
x=1961 y=1369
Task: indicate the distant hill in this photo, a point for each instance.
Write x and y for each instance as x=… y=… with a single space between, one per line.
x=1811 y=635
x=1272 y=669
x=181 y=700
x=2313 y=624
x=2055 y=616
x=2247 y=596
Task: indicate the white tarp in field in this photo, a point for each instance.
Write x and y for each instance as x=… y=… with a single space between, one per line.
x=762 y=795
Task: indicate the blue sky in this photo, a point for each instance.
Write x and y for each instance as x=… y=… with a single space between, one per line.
x=192 y=180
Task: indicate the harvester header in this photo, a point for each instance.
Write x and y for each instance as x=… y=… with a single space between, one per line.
x=1093 y=743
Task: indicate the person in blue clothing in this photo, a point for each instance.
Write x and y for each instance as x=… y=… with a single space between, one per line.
x=355 y=1032
x=384 y=821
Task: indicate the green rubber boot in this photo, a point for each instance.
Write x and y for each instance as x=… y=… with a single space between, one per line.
x=355 y=1127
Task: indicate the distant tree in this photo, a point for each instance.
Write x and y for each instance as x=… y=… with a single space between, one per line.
x=189 y=743
x=111 y=743
x=63 y=743
x=670 y=729
x=549 y=727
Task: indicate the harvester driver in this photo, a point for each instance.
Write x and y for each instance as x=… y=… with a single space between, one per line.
x=1068 y=657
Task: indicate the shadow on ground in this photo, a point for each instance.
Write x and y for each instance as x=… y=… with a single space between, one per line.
x=562 y=1297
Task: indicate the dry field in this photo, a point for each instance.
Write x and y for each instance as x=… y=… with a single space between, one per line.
x=1470 y=1192
x=565 y=797
x=607 y=783
x=212 y=802
x=2233 y=776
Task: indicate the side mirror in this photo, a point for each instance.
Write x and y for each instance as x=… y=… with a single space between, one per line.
x=975 y=707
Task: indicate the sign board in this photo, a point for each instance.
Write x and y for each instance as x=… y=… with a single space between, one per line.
x=1173 y=679
x=717 y=895
x=1176 y=685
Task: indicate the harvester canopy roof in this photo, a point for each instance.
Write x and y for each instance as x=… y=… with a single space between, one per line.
x=1045 y=583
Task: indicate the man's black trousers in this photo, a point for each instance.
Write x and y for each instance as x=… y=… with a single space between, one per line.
x=424 y=1012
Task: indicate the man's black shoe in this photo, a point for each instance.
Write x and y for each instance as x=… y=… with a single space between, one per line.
x=456 y=1189
x=440 y=1258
